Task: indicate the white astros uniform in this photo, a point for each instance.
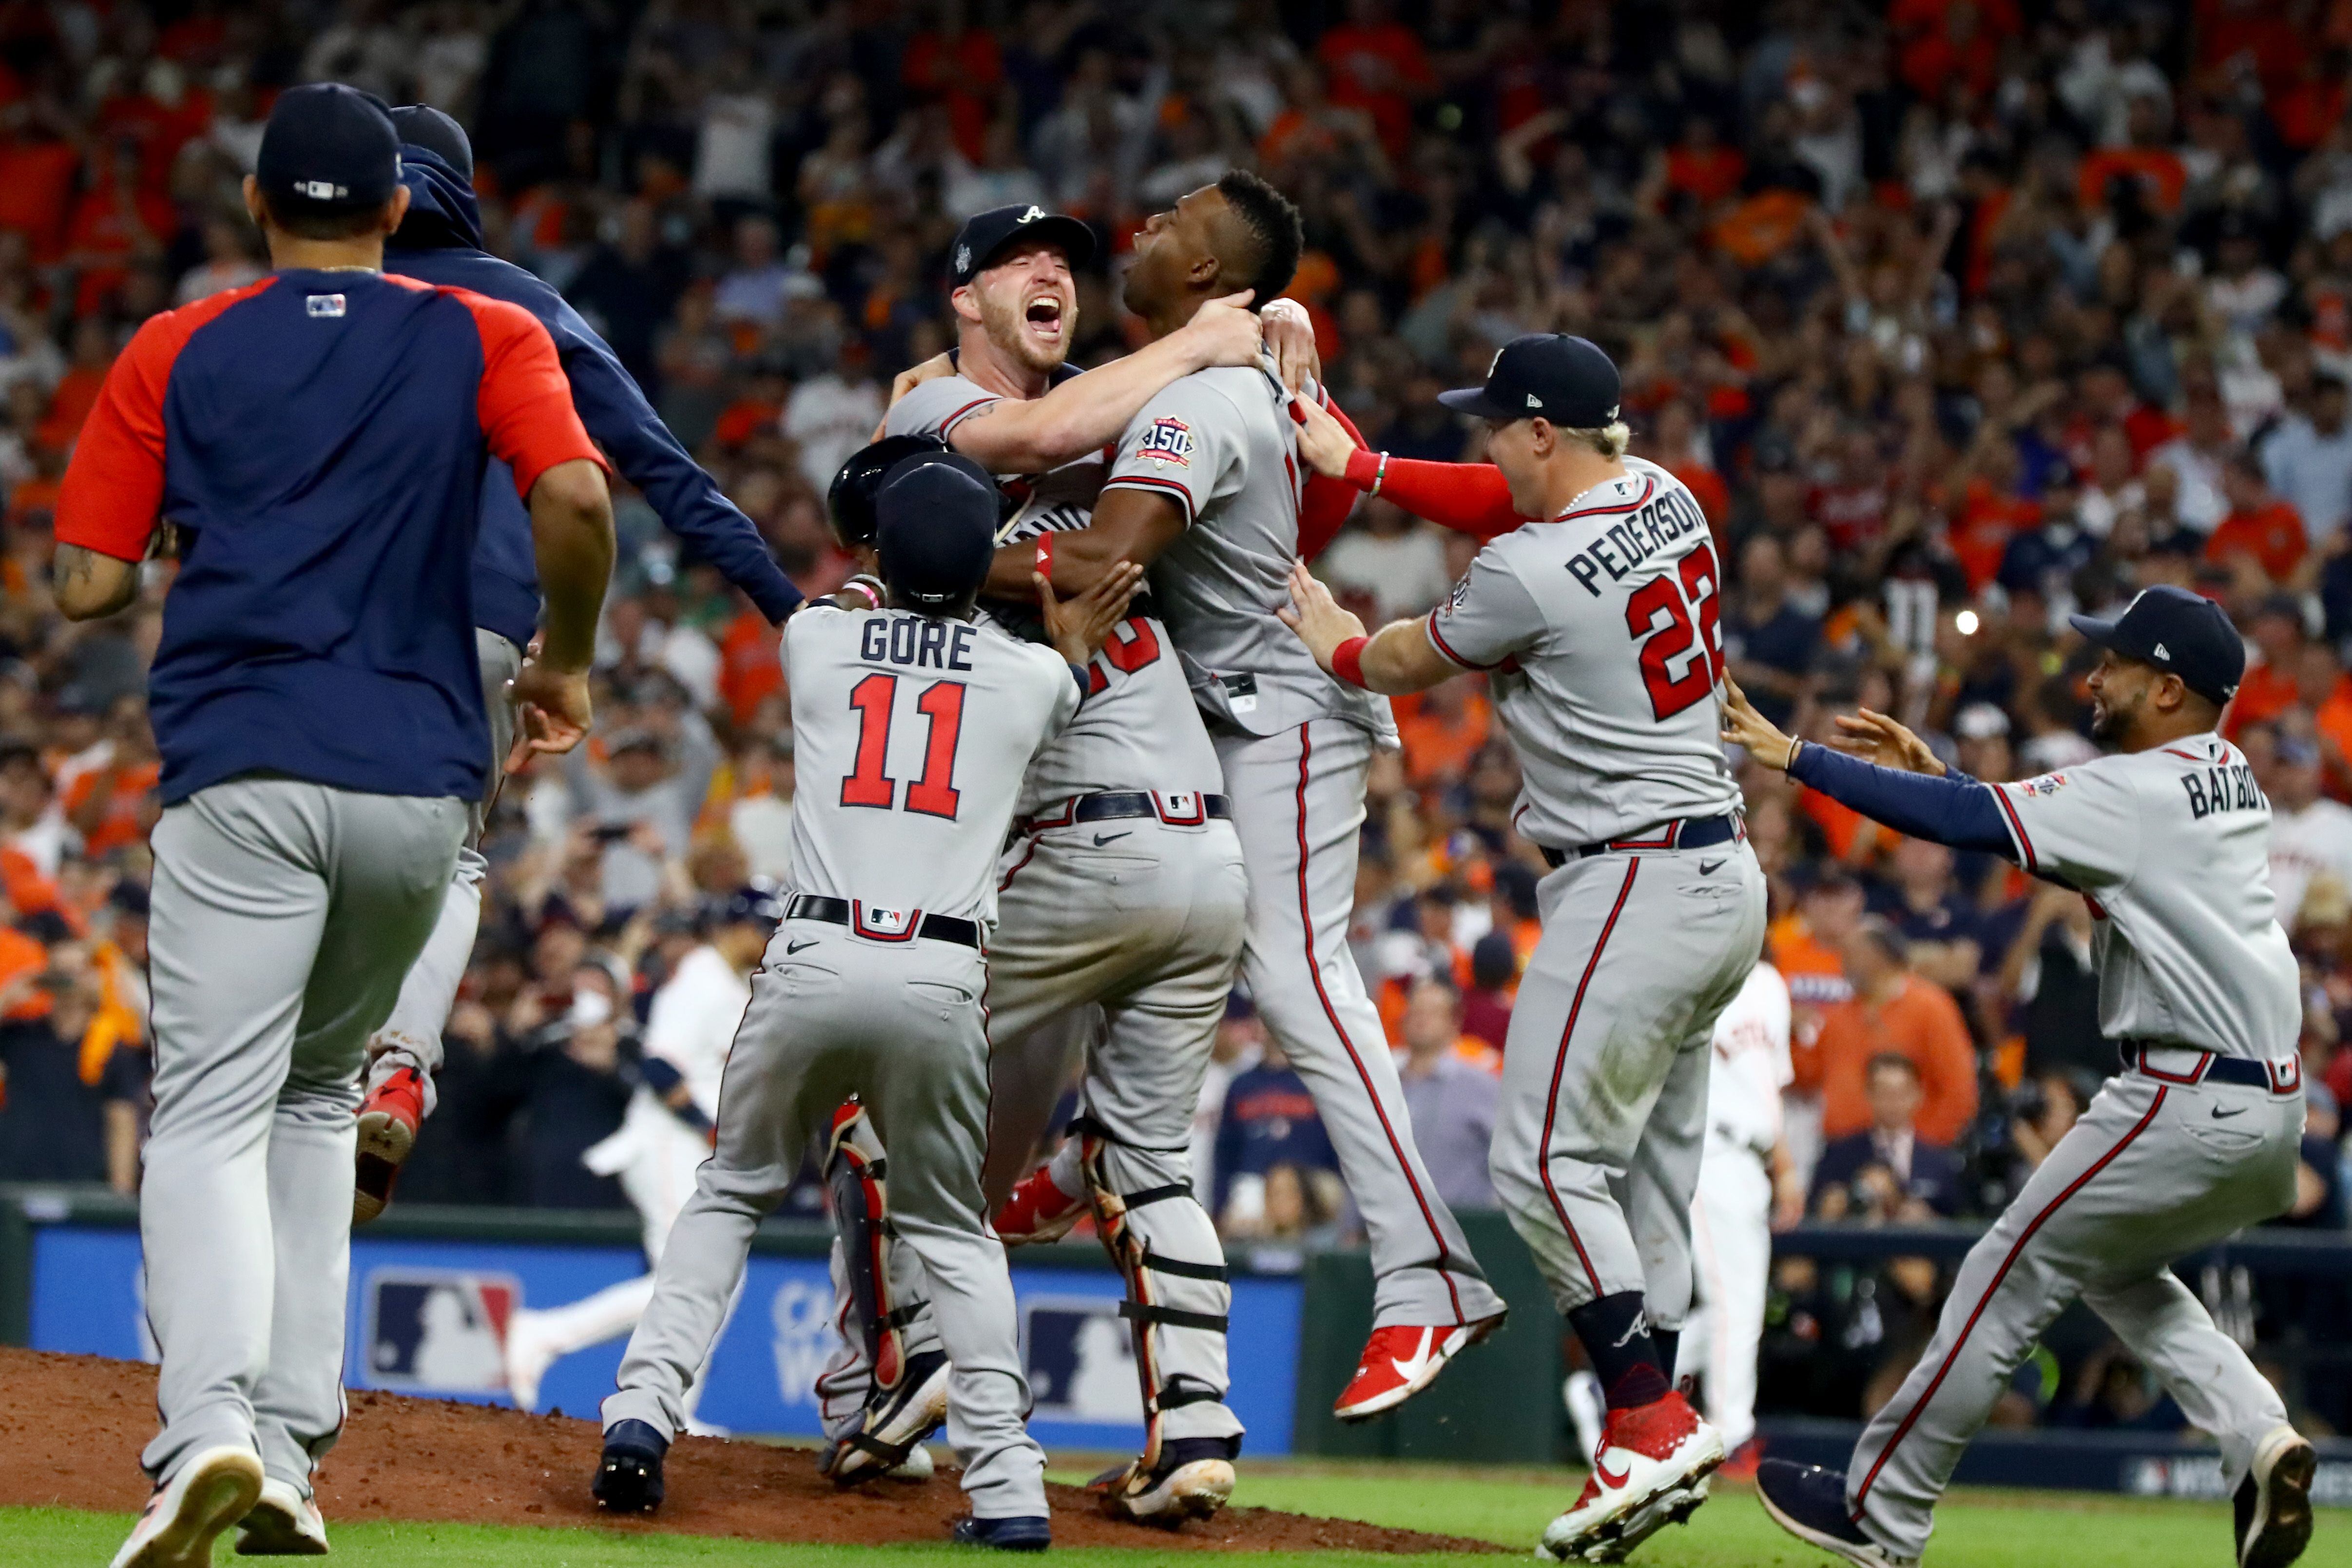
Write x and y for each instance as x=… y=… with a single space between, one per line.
x=1122 y=891
x=693 y=1021
x=1295 y=746
x=1597 y=629
x=1731 y=1222
x=911 y=735
x=2169 y=846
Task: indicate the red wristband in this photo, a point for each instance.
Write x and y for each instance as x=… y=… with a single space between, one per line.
x=1044 y=567
x=1366 y=468
x=1348 y=660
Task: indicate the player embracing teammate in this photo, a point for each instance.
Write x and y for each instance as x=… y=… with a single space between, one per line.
x=1596 y=624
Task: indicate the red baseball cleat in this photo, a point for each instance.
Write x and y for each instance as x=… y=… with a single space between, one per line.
x=1401 y=1361
x=388 y=1120
x=1652 y=1471
x=1038 y=1210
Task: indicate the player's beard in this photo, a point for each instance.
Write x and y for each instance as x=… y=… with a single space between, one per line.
x=1005 y=320
x=2112 y=721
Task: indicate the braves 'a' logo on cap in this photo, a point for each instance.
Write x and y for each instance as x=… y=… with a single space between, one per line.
x=1168 y=443
x=1032 y=215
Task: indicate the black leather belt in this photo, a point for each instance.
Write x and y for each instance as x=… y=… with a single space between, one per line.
x=1683 y=833
x=2213 y=1068
x=1185 y=809
x=882 y=925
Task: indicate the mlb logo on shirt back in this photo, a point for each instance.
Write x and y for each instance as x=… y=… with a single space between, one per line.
x=324 y=304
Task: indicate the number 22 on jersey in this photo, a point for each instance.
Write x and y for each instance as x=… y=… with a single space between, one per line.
x=940 y=705
x=1677 y=621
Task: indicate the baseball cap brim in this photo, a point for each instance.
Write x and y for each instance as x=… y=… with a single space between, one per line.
x=1474 y=401
x=1076 y=240
x=2099 y=632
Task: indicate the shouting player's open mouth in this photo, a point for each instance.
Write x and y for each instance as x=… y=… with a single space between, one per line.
x=1043 y=317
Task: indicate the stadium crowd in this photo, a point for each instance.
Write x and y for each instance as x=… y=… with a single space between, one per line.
x=1958 y=315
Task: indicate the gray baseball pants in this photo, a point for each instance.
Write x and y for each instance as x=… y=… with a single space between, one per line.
x=2152 y=1172
x=1603 y=1112
x=1116 y=943
x=1298 y=804
x=285 y=914
x=901 y=1026
x=411 y=1038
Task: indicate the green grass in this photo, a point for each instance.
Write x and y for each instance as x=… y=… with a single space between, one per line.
x=1975 y=1529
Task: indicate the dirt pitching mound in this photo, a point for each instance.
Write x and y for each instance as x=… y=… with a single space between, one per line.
x=71 y=1429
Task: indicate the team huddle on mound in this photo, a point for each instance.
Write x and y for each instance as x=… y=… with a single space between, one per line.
x=1083 y=747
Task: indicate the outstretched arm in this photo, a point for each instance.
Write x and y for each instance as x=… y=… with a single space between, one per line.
x=1400 y=659
x=1947 y=808
x=1129 y=526
x=1087 y=413
x=1468 y=498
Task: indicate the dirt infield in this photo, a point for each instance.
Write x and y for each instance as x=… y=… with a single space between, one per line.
x=71 y=1429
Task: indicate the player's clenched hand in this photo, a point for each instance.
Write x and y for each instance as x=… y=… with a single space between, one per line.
x=551 y=712
x=1316 y=615
x=1743 y=726
x=1223 y=331
x=1290 y=338
x=1079 y=625
x=906 y=380
x=1875 y=738
x=1323 y=442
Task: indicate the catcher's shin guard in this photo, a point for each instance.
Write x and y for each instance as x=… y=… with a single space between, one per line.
x=1167 y=1250
x=855 y=1172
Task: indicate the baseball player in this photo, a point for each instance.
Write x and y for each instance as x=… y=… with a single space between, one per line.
x=317 y=439
x=2195 y=1138
x=440 y=241
x=1206 y=488
x=1597 y=629
x=1120 y=900
x=914 y=727
x=665 y=1135
x=1740 y=1170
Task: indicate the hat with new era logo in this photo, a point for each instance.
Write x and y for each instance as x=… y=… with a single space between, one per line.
x=2182 y=633
x=1545 y=375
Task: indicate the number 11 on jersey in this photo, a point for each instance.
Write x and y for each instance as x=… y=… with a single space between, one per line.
x=934 y=793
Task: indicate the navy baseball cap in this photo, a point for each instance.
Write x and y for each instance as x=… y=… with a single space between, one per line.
x=850 y=498
x=2182 y=633
x=327 y=148
x=984 y=236
x=1545 y=375
x=935 y=526
x=422 y=125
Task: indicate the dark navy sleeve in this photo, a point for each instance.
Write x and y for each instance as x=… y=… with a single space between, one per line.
x=1955 y=809
x=687 y=499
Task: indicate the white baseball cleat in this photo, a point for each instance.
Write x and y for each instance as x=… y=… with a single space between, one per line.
x=2274 y=1502
x=1192 y=1478
x=1651 y=1472
x=528 y=1356
x=282 y=1522
x=212 y=1491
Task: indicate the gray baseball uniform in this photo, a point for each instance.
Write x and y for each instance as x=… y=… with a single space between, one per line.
x=912 y=733
x=1598 y=632
x=1137 y=915
x=1295 y=747
x=285 y=914
x=2171 y=846
x=411 y=1038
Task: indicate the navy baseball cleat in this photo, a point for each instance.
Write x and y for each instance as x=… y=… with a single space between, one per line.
x=1026 y=1532
x=629 y=1476
x=1192 y=1478
x=1809 y=1502
x=2274 y=1502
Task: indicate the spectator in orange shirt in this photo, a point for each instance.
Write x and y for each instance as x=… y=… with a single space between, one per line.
x=1442 y=730
x=1808 y=947
x=2259 y=524
x=77 y=391
x=1377 y=64
x=1892 y=1009
x=2269 y=689
x=2147 y=163
x=114 y=803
